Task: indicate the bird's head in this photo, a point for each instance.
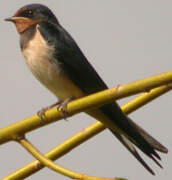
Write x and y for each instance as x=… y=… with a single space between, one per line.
x=30 y=15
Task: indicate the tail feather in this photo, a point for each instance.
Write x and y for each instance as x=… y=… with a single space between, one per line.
x=132 y=149
x=154 y=143
x=129 y=133
x=149 y=142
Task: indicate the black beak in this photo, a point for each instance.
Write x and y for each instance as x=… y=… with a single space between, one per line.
x=9 y=19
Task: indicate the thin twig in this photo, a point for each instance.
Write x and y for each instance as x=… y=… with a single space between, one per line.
x=51 y=165
x=22 y=127
x=88 y=132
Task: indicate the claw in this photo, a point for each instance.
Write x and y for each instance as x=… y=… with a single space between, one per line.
x=41 y=113
x=63 y=107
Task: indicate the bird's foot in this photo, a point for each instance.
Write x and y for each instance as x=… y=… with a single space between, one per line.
x=63 y=107
x=41 y=113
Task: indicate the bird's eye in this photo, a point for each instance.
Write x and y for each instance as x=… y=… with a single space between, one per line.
x=26 y=13
x=29 y=12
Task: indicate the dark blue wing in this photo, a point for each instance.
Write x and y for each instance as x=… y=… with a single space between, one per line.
x=72 y=60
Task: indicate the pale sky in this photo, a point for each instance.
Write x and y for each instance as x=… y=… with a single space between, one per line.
x=124 y=41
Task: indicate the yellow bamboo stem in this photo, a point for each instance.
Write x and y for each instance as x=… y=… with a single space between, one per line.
x=21 y=127
x=85 y=134
x=51 y=165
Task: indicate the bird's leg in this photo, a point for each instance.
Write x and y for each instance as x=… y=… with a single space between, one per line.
x=41 y=113
x=63 y=107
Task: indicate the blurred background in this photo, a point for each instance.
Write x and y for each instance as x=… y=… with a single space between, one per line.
x=124 y=41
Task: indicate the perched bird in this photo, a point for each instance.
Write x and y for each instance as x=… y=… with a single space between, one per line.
x=58 y=63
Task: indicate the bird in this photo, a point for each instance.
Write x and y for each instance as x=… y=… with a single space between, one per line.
x=55 y=59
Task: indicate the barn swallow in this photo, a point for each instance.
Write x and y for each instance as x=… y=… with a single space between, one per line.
x=57 y=62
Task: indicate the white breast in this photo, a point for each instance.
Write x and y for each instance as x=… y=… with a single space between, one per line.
x=37 y=55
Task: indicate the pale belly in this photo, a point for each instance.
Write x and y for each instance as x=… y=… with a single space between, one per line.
x=37 y=56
